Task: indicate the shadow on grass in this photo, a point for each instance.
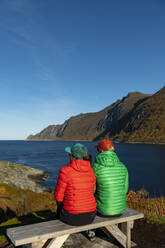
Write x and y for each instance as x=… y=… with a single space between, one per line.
x=14 y=221
x=6 y=214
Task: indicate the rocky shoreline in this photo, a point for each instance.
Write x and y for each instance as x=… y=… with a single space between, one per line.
x=23 y=177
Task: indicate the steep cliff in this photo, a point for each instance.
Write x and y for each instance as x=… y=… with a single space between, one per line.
x=136 y=118
x=91 y=126
x=145 y=122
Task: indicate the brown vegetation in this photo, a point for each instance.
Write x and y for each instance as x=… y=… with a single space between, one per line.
x=20 y=207
x=145 y=122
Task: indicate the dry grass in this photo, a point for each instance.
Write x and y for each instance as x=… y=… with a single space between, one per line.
x=22 y=202
x=20 y=207
x=153 y=208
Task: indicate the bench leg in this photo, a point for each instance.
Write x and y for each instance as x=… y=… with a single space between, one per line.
x=123 y=238
x=50 y=243
x=57 y=242
x=127 y=231
x=128 y=234
x=38 y=244
x=124 y=226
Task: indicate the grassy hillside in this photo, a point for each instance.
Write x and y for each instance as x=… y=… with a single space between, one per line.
x=21 y=207
x=145 y=123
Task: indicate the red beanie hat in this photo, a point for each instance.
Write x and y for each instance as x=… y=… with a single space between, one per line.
x=105 y=145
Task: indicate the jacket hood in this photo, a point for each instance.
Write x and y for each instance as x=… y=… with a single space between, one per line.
x=107 y=159
x=80 y=165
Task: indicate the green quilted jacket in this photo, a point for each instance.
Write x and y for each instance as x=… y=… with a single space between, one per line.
x=111 y=183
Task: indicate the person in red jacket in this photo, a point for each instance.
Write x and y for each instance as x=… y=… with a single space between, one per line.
x=74 y=190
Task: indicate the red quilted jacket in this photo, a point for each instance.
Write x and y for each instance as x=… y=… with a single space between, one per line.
x=75 y=187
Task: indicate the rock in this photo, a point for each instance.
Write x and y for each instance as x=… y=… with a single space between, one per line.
x=21 y=176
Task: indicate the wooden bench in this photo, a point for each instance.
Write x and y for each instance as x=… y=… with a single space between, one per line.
x=52 y=234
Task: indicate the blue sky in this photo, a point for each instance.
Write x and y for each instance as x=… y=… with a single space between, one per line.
x=61 y=58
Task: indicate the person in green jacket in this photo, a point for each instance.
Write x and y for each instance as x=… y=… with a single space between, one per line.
x=111 y=180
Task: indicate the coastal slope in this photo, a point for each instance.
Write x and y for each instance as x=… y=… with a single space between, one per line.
x=137 y=117
x=146 y=121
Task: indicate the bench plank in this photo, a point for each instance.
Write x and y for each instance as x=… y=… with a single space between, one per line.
x=55 y=228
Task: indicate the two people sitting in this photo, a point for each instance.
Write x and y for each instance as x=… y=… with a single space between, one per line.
x=82 y=190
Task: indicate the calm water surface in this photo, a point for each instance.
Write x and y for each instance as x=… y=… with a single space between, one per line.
x=145 y=163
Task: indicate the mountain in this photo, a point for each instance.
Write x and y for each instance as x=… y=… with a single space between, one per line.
x=145 y=122
x=79 y=127
x=137 y=117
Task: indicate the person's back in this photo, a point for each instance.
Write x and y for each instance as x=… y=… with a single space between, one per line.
x=74 y=191
x=111 y=181
x=79 y=179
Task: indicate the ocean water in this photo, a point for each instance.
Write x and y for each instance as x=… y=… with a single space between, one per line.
x=145 y=162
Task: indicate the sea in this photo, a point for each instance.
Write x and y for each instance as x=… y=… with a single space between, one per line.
x=145 y=162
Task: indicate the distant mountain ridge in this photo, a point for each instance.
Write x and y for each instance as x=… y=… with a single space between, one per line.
x=137 y=117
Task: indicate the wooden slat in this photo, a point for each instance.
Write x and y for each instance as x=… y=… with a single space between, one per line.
x=132 y=223
x=133 y=244
x=39 y=244
x=118 y=234
x=128 y=235
x=55 y=228
x=57 y=242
